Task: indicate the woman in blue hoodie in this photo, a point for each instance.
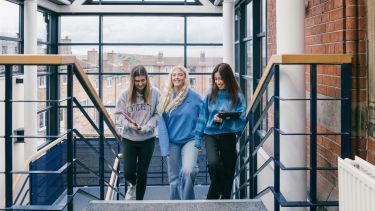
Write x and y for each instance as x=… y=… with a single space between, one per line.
x=179 y=109
x=219 y=134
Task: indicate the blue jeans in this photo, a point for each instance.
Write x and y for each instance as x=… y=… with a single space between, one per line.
x=182 y=169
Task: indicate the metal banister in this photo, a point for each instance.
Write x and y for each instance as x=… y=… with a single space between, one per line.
x=254 y=114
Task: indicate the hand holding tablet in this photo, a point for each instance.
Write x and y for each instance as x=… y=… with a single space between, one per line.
x=229 y=115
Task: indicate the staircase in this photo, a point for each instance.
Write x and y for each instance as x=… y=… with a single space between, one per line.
x=201 y=205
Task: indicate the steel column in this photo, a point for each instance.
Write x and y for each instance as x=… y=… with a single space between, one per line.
x=101 y=116
x=69 y=122
x=346 y=111
x=277 y=137
x=8 y=140
x=313 y=136
x=252 y=163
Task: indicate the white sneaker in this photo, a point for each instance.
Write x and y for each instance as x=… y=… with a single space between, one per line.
x=130 y=194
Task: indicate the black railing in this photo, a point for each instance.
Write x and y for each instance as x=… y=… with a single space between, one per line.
x=255 y=134
x=40 y=180
x=69 y=169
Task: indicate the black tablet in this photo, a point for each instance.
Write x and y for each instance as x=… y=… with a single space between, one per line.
x=229 y=115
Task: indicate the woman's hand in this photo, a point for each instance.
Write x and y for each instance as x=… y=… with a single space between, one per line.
x=136 y=127
x=217 y=119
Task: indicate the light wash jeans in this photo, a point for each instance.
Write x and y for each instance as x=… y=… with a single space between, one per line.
x=182 y=169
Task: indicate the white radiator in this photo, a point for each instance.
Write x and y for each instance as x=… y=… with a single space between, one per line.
x=356 y=185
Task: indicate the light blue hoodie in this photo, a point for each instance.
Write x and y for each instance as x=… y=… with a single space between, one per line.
x=179 y=125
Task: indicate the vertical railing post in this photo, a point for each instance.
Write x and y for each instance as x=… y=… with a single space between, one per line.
x=101 y=156
x=101 y=116
x=345 y=111
x=69 y=123
x=162 y=170
x=8 y=139
x=277 y=137
x=118 y=180
x=313 y=135
x=253 y=185
x=241 y=194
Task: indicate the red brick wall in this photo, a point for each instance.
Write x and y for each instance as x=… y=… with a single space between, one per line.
x=271 y=28
x=339 y=27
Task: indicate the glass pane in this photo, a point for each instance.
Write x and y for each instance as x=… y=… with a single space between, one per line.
x=205 y=29
x=143 y=29
x=79 y=29
x=249 y=70
x=236 y=26
x=154 y=58
x=9 y=15
x=249 y=19
x=80 y=121
x=42 y=28
x=264 y=15
x=42 y=116
x=9 y=47
x=42 y=49
x=201 y=83
x=204 y=58
x=264 y=53
x=88 y=56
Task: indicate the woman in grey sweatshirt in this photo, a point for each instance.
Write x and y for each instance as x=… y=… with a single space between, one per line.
x=137 y=107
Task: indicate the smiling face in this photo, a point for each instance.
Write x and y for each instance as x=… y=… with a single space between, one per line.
x=219 y=81
x=178 y=79
x=140 y=83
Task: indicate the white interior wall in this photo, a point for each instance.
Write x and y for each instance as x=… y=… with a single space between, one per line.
x=18 y=148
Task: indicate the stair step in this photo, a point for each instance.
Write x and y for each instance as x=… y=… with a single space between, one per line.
x=181 y=205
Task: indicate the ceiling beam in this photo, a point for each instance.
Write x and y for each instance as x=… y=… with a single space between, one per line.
x=78 y=7
x=201 y=9
x=49 y=5
x=61 y=2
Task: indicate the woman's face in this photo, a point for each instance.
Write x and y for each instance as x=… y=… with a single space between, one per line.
x=219 y=81
x=140 y=82
x=178 y=78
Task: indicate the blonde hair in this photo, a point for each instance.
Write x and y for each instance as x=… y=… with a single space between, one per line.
x=167 y=103
x=138 y=70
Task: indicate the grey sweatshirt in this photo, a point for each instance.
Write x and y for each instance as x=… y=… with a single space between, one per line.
x=144 y=114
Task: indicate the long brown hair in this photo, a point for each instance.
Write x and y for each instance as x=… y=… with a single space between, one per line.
x=230 y=82
x=138 y=70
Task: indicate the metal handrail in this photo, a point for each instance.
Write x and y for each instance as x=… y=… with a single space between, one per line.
x=269 y=71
